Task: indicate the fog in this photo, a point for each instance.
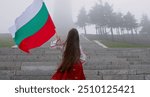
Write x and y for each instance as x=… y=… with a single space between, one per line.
x=10 y=9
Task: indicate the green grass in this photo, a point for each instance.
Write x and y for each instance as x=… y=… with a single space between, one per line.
x=6 y=40
x=116 y=44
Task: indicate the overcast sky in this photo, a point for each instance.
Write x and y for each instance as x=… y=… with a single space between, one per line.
x=10 y=9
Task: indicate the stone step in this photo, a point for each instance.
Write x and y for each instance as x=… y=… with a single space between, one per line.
x=90 y=75
x=90 y=52
x=38 y=51
x=49 y=68
x=34 y=72
x=6 y=74
x=9 y=51
x=139 y=59
x=31 y=77
x=28 y=58
x=107 y=61
x=123 y=77
x=119 y=54
x=54 y=67
x=10 y=65
x=106 y=72
x=139 y=62
x=105 y=67
x=28 y=65
x=139 y=66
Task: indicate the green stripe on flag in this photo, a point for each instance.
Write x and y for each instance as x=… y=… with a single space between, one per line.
x=32 y=26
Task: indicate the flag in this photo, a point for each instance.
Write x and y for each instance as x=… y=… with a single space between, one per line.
x=34 y=27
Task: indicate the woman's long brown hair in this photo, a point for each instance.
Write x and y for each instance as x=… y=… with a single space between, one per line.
x=71 y=53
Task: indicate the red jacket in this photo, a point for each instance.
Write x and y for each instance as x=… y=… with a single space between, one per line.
x=75 y=74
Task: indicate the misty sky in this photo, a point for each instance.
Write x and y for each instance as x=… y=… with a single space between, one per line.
x=9 y=11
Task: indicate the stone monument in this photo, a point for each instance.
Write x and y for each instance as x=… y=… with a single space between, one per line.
x=63 y=16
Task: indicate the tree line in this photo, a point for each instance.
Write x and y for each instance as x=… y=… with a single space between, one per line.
x=107 y=21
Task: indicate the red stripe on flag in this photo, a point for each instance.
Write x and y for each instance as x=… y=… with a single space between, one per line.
x=39 y=38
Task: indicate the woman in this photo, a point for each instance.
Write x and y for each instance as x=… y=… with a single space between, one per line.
x=72 y=59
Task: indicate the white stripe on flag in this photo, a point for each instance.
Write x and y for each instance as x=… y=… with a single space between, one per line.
x=28 y=14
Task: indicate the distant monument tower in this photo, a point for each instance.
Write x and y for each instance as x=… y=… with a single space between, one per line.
x=63 y=16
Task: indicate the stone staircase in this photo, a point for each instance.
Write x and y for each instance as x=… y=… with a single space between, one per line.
x=124 y=64
x=102 y=64
x=40 y=64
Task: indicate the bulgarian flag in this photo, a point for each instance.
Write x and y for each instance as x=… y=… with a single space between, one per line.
x=34 y=27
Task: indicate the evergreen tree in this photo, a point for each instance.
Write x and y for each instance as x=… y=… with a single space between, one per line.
x=145 y=23
x=82 y=19
x=130 y=22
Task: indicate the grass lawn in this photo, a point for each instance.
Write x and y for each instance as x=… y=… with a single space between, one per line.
x=6 y=40
x=116 y=44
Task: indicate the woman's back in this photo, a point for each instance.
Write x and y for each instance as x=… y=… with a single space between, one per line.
x=71 y=65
